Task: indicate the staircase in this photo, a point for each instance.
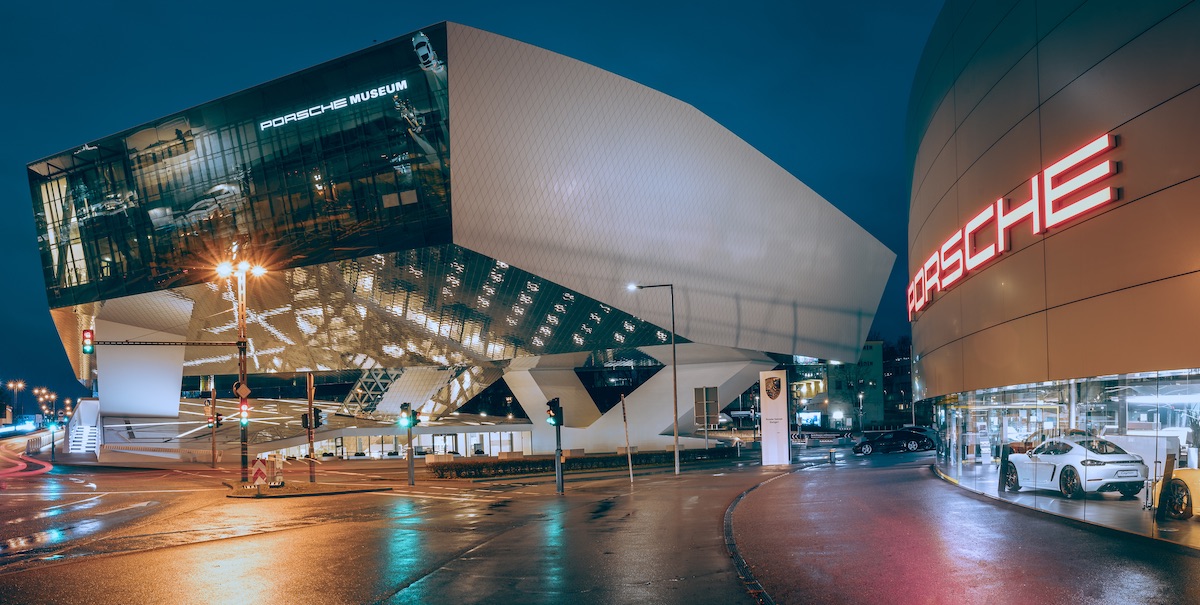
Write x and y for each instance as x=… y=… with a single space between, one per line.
x=83 y=431
x=84 y=439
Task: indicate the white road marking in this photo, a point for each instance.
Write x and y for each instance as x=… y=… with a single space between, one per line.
x=117 y=510
x=73 y=503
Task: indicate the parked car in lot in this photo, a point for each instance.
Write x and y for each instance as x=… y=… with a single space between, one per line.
x=1076 y=467
x=932 y=433
x=893 y=441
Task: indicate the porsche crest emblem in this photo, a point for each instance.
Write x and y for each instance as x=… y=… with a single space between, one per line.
x=773 y=386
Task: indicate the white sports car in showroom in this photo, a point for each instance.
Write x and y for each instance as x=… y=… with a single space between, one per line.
x=1076 y=467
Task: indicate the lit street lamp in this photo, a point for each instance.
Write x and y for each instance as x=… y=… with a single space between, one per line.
x=225 y=270
x=16 y=386
x=860 y=411
x=674 y=366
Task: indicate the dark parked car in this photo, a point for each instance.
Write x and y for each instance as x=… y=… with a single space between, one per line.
x=893 y=441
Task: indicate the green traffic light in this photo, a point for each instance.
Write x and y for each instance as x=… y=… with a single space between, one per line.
x=404 y=421
x=88 y=349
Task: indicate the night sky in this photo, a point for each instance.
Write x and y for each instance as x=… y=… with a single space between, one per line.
x=821 y=88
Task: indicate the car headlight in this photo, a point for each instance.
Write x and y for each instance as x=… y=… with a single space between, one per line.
x=1090 y=462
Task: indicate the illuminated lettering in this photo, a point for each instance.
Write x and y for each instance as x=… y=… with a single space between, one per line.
x=932 y=280
x=977 y=259
x=1056 y=191
x=316 y=110
x=1028 y=210
x=1056 y=195
x=952 y=256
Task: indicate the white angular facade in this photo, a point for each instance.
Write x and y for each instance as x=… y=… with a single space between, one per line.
x=567 y=184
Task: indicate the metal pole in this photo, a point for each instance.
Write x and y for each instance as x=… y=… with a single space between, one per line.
x=53 y=423
x=558 y=470
x=312 y=433
x=628 y=454
x=674 y=379
x=411 y=463
x=212 y=382
x=242 y=402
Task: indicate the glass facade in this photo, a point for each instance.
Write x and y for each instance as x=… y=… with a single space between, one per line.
x=341 y=160
x=1152 y=415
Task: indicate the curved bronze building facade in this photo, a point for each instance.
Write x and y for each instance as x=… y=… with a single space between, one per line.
x=1052 y=259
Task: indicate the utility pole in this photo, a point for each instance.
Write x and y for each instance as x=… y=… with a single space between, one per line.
x=312 y=433
x=212 y=382
x=243 y=404
x=628 y=454
x=412 y=464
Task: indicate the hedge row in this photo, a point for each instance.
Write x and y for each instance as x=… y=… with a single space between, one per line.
x=487 y=467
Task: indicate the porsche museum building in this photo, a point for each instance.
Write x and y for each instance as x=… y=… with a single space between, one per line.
x=442 y=215
x=1055 y=270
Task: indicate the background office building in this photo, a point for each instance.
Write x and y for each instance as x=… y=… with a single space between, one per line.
x=1054 y=266
x=448 y=219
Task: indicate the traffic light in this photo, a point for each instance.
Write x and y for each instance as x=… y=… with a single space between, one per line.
x=304 y=420
x=245 y=414
x=317 y=419
x=89 y=342
x=219 y=418
x=554 y=415
x=211 y=421
x=406 y=419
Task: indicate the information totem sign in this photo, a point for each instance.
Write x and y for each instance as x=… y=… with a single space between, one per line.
x=773 y=398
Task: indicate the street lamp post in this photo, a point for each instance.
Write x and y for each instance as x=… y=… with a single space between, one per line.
x=225 y=270
x=860 y=410
x=16 y=386
x=674 y=367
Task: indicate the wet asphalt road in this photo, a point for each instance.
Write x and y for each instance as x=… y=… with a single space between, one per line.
x=172 y=537
x=884 y=530
x=872 y=530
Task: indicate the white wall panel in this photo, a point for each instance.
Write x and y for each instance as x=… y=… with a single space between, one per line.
x=593 y=181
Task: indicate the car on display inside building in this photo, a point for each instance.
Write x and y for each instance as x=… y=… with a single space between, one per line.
x=1076 y=467
x=1176 y=502
x=1038 y=437
x=893 y=441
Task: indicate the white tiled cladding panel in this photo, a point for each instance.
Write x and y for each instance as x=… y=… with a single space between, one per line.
x=593 y=181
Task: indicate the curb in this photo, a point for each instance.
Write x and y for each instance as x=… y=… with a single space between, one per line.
x=1077 y=522
x=756 y=590
x=259 y=495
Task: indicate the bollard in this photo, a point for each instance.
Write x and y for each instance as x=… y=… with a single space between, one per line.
x=832 y=457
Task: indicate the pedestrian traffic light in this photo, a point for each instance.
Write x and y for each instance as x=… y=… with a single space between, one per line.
x=219 y=418
x=318 y=418
x=405 y=420
x=304 y=421
x=89 y=342
x=554 y=416
x=211 y=422
x=245 y=413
